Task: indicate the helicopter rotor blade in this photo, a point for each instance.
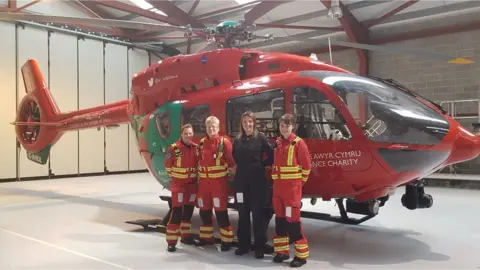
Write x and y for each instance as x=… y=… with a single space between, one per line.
x=259 y=10
x=384 y=48
x=89 y=21
x=209 y=47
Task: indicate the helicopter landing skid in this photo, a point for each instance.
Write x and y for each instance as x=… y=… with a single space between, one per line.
x=343 y=218
x=154 y=224
x=369 y=209
x=160 y=225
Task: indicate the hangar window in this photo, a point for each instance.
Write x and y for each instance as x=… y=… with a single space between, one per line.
x=163 y=124
x=196 y=117
x=317 y=117
x=268 y=107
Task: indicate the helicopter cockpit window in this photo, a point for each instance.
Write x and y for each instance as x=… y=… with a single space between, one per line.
x=196 y=117
x=267 y=106
x=317 y=117
x=385 y=113
x=163 y=124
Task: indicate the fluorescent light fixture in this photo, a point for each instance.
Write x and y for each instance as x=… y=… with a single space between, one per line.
x=147 y=6
x=241 y=2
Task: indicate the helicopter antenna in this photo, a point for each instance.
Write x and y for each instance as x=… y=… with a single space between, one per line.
x=330 y=51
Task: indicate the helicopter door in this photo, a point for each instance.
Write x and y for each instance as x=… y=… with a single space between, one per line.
x=327 y=132
x=162 y=130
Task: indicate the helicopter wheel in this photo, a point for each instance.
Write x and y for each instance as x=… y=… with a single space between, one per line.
x=415 y=197
x=374 y=207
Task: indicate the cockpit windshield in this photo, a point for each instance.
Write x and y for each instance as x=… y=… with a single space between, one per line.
x=385 y=113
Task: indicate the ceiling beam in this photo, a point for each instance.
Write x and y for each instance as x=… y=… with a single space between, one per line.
x=261 y=9
x=389 y=14
x=400 y=37
x=94 y=12
x=138 y=11
x=286 y=21
x=440 y=11
x=12 y=3
x=194 y=6
x=356 y=32
x=12 y=6
x=241 y=7
x=175 y=12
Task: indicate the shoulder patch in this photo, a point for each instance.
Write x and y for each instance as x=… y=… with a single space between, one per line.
x=168 y=154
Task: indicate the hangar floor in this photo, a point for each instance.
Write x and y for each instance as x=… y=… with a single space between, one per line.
x=80 y=224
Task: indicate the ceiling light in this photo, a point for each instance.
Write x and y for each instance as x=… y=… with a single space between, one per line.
x=335 y=12
x=147 y=6
x=241 y=2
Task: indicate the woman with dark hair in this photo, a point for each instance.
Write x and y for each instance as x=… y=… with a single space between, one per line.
x=253 y=191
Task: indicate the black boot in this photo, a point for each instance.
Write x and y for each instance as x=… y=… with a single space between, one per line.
x=225 y=246
x=201 y=243
x=241 y=251
x=171 y=248
x=297 y=262
x=188 y=241
x=259 y=253
x=268 y=249
x=279 y=258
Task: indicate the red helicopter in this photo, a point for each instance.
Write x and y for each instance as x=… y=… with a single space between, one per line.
x=367 y=136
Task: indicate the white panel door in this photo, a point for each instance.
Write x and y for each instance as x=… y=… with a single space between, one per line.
x=90 y=94
x=8 y=161
x=137 y=61
x=32 y=43
x=116 y=89
x=63 y=86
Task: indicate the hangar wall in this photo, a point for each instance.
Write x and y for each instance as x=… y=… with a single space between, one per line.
x=80 y=73
x=437 y=81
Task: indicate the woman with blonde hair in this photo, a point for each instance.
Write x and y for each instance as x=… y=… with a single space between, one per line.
x=251 y=186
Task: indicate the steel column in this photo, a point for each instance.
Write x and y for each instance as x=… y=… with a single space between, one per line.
x=356 y=32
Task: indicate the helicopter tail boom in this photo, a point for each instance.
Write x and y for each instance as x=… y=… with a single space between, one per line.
x=39 y=123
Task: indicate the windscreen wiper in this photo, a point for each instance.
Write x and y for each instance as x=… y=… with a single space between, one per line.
x=394 y=83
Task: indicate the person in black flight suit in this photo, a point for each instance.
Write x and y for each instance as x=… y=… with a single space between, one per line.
x=253 y=190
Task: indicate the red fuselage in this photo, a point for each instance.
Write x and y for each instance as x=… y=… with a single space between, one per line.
x=365 y=137
x=365 y=165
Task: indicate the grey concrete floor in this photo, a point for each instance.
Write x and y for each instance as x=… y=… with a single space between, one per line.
x=80 y=224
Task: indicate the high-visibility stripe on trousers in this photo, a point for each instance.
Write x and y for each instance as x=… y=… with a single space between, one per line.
x=206 y=233
x=226 y=234
x=185 y=230
x=173 y=233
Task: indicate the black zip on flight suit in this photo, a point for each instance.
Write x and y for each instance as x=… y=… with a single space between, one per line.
x=252 y=191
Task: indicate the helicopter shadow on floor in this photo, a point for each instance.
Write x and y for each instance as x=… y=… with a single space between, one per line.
x=368 y=245
x=336 y=244
x=341 y=245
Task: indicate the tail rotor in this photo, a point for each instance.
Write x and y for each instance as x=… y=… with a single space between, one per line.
x=30 y=113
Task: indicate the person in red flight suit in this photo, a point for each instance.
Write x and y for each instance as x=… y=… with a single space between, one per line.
x=291 y=169
x=215 y=161
x=181 y=162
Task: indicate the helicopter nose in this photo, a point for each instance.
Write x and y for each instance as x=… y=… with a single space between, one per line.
x=466 y=147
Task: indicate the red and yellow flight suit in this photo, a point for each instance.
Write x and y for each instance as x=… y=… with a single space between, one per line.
x=181 y=165
x=291 y=169
x=215 y=157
